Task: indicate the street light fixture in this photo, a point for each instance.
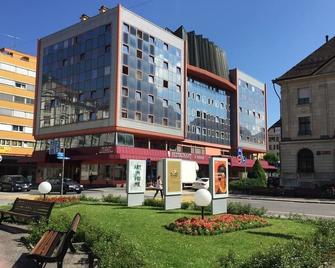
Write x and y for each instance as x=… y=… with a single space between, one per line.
x=202 y=198
x=44 y=188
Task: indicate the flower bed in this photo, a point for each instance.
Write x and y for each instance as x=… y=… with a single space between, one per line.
x=60 y=199
x=216 y=224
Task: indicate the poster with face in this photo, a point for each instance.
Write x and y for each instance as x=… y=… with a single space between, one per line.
x=173 y=177
x=136 y=173
x=219 y=177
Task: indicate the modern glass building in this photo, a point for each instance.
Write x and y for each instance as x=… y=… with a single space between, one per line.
x=115 y=87
x=251 y=134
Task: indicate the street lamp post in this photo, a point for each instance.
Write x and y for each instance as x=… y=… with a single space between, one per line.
x=202 y=198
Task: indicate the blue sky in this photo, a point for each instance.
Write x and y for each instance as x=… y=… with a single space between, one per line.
x=263 y=38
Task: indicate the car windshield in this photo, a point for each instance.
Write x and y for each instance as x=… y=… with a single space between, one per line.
x=19 y=179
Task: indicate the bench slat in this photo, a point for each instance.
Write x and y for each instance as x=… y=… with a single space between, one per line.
x=18 y=214
x=47 y=243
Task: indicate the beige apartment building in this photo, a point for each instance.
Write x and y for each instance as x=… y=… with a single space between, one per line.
x=274 y=137
x=308 y=120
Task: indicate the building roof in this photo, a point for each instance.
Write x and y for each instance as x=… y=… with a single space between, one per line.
x=277 y=124
x=312 y=63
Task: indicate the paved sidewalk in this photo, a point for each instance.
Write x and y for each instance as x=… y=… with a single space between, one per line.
x=283 y=199
x=13 y=252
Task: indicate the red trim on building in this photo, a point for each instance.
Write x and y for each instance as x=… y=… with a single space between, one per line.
x=210 y=78
x=235 y=163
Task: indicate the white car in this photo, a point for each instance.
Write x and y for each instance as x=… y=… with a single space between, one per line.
x=201 y=183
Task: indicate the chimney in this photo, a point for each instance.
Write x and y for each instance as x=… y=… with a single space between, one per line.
x=103 y=9
x=327 y=38
x=84 y=17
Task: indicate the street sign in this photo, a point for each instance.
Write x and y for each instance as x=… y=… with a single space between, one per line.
x=60 y=154
x=63 y=158
x=239 y=151
x=54 y=147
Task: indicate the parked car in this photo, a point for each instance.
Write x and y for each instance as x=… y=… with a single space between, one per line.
x=201 y=183
x=14 y=183
x=69 y=185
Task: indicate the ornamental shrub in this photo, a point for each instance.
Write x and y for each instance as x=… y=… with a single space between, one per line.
x=238 y=208
x=151 y=202
x=258 y=173
x=114 y=199
x=245 y=184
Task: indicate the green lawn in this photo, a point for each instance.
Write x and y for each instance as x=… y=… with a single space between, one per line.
x=163 y=248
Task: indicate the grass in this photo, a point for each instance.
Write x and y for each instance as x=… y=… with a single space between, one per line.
x=163 y=248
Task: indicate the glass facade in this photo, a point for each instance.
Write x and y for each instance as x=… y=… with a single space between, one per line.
x=76 y=78
x=208 y=113
x=151 y=79
x=251 y=113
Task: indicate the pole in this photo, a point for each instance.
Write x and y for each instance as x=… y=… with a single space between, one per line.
x=202 y=212
x=63 y=166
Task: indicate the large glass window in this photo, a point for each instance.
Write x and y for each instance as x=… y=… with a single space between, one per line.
x=75 y=74
x=304 y=126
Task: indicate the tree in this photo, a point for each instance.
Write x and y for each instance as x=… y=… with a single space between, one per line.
x=271 y=158
x=258 y=172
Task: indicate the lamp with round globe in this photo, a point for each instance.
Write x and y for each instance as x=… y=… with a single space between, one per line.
x=202 y=198
x=44 y=188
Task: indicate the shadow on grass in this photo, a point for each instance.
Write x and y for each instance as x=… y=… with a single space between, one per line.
x=277 y=235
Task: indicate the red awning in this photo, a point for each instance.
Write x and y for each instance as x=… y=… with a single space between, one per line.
x=234 y=162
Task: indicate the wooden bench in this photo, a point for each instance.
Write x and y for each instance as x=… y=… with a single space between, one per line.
x=53 y=245
x=27 y=210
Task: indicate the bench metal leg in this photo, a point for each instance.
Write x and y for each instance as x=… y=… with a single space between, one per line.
x=60 y=264
x=72 y=249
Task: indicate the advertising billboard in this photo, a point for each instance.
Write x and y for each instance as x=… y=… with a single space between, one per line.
x=136 y=173
x=219 y=177
x=173 y=176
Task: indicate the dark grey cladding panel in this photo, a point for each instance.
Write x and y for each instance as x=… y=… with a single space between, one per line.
x=204 y=54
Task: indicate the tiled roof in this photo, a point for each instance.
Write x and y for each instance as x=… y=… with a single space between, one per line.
x=311 y=63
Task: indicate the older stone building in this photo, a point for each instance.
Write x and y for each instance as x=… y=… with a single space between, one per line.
x=308 y=120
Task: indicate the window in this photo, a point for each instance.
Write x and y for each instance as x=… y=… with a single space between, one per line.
x=151 y=79
x=138 y=95
x=166 y=46
x=138 y=116
x=125 y=27
x=20 y=85
x=151 y=39
x=125 y=69
x=204 y=132
x=151 y=59
x=93 y=116
x=198 y=97
x=165 y=83
x=179 y=88
x=166 y=65
x=125 y=49
x=217 y=134
x=178 y=107
x=19 y=99
x=17 y=128
x=204 y=115
x=93 y=94
x=108 y=27
x=151 y=99
x=199 y=114
x=165 y=103
x=178 y=70
x=305 y=161
x=150 y=118
x=139 y=75
x=303 y=95
x=139 y=34
x=139 y=54
x=198 y=131
x=124 y=113
x=82 y=56
x=125 y=92
x=107 y=48
x=304 y=126
x=64 y=63
x=165 y=121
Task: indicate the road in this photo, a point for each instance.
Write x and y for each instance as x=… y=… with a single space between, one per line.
x=275 y=206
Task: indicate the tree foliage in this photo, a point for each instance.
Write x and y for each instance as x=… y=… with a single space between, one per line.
x=271 y=158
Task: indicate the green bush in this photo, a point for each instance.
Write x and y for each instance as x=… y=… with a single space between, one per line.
x=239 y=208
x=112 y=249
x=114 y=199
x=89 y=198
x=245 y=184
x=37 y=229
x=151 y=202
x=323 y=238
x=258 y=173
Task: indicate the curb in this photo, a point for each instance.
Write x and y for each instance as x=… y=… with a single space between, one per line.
x=285 y=200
